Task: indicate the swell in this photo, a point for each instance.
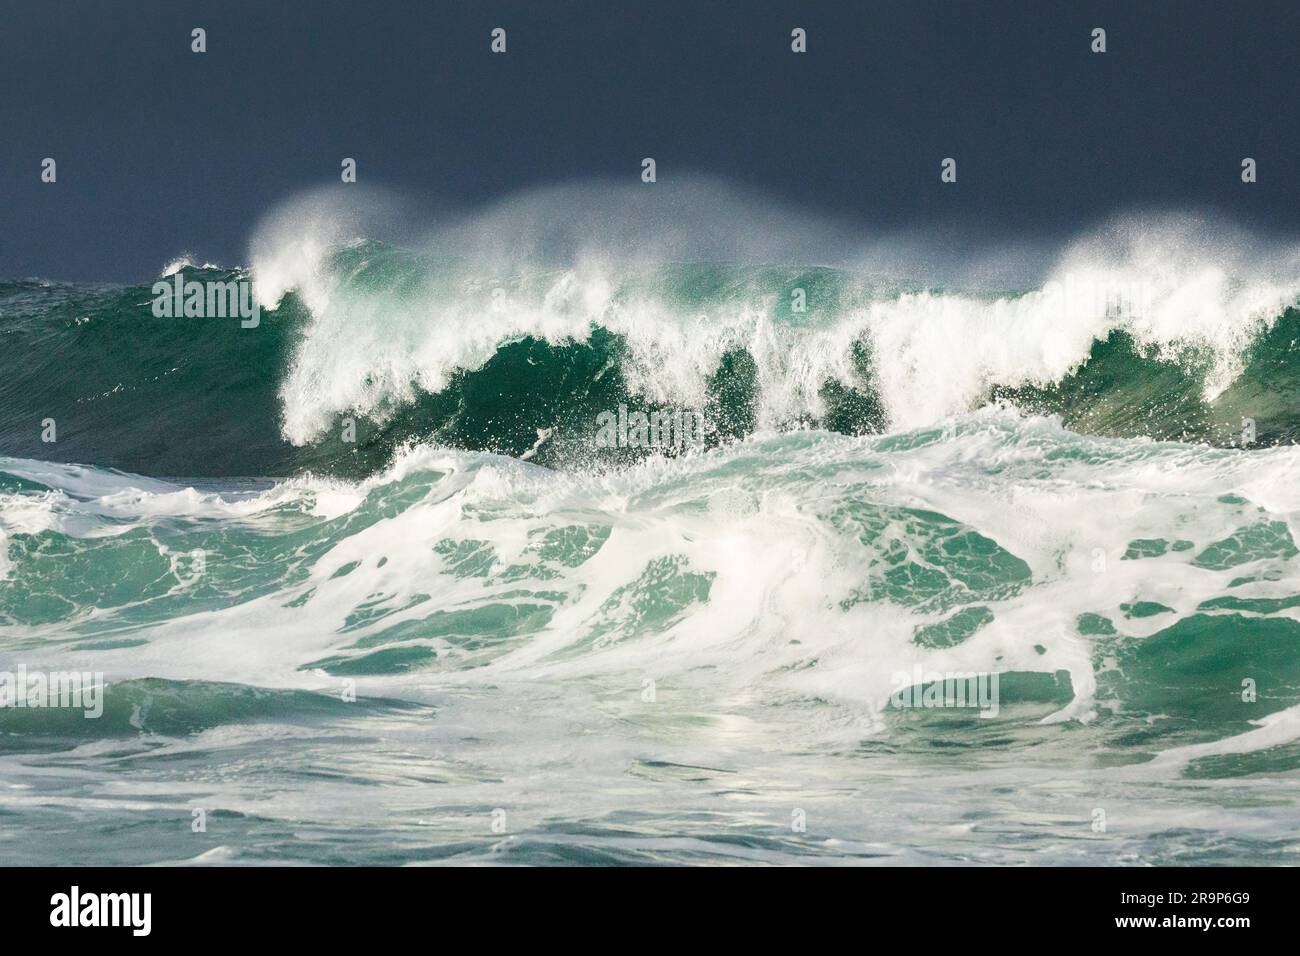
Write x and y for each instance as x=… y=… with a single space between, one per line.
x=127 y=390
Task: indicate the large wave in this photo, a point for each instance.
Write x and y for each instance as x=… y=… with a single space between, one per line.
x=512 y=330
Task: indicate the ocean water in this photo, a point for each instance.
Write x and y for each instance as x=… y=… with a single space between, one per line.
x=365 y=587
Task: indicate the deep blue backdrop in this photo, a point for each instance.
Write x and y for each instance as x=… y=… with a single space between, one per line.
x=161 y=150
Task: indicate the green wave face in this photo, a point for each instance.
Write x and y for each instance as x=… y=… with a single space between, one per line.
x=1128 y=391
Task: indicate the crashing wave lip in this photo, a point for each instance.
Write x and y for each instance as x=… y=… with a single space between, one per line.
x=395 y=323
x=185 y=262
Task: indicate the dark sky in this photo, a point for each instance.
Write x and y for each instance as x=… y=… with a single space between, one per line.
x=161 y=150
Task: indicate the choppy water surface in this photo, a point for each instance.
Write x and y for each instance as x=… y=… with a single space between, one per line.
x=679 y=661
x=404 y=606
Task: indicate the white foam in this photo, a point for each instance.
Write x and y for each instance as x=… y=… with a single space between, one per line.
x=755 y=520
x=1160 y=279
x=87 y=502
x=185 y=261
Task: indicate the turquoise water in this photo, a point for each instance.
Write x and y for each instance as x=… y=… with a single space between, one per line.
x=474 y=634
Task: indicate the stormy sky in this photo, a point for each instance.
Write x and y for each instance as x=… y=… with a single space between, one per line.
x=161 y=150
